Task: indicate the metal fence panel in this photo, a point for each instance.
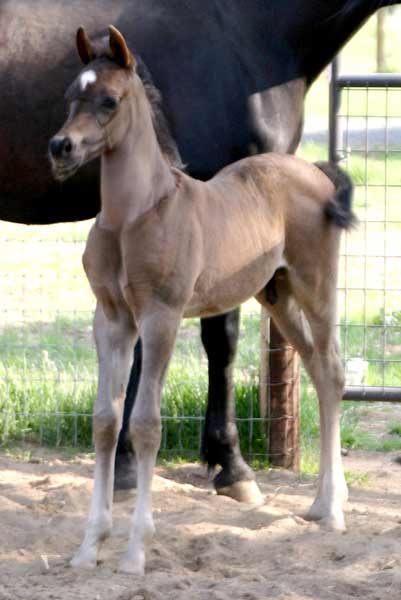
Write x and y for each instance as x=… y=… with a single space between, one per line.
x=366 y=138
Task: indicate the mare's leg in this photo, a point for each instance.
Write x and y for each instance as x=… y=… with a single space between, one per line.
x=313 y=335
x=114 y=343
x=158 y=330
x=220 y=445
x=125 y=464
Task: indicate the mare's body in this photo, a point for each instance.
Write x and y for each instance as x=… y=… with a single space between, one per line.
x=233 y=74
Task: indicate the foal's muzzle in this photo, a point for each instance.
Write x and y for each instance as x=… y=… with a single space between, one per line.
x=63 y=157
x=60 y=147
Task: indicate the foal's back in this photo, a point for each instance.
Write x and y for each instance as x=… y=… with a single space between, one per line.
x=257 y=202
x=244 y=224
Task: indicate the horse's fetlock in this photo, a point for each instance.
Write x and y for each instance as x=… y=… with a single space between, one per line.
x=226 y=435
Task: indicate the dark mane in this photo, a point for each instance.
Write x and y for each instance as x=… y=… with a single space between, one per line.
x=164 y=136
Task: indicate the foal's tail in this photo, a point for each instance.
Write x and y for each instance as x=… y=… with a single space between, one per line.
x=338 y=209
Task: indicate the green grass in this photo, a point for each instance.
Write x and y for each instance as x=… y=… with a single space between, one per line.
x=395 y=429
x=57 y=375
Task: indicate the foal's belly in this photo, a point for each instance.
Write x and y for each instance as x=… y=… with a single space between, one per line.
x=215 y=295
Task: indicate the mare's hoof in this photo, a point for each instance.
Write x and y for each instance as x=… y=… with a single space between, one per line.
x=125 y=472
x=243 y=491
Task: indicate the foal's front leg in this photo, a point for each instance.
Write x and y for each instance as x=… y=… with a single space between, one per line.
x=114 y=343
x=158 y=330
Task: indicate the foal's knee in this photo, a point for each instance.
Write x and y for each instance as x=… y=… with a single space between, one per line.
x=106 y=427
x=145 y=432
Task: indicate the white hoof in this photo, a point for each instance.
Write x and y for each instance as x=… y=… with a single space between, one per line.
x=84 y=560
x=243 y=491
x=332 y=519
x=133 y=566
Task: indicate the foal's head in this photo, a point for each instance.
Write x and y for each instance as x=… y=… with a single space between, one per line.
x=99 y=103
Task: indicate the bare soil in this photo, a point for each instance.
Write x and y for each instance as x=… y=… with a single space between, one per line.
x=206 y=547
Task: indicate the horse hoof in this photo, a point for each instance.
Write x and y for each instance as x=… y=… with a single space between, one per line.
x=125 y=472
x=332 y=522
x=132 y=567
x=87 y=563
x=247 y=492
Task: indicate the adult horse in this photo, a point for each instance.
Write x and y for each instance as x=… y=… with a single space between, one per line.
x=233 y=75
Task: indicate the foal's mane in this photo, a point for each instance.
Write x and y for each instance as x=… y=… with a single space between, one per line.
x=164 y=136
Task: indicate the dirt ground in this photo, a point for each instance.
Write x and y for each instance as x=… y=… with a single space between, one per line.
x=206 y=547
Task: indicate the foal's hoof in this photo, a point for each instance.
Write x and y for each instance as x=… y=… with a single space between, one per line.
x=86 y=561
x=333 y=521
x=125 y=471
x=243 y=491
x=133 y=567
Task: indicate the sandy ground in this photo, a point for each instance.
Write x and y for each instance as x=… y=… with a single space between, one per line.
x=206 y=546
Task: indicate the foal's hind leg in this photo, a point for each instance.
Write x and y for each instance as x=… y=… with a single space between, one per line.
x=158 y=330
x=114 y=343
x=326 y=371
x=313 y=336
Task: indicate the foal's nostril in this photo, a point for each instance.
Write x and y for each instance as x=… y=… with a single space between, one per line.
x=67 y=146
x=60 y=147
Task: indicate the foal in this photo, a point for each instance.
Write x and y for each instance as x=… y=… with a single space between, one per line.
x=166 y=246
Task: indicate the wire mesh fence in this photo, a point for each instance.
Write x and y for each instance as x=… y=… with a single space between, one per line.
x=369 y=141
x=47 y=357
x=48 y=367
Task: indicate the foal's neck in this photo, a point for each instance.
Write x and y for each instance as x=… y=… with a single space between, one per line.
x=134 y=174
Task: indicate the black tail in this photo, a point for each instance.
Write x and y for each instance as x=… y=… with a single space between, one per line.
x=339 y=208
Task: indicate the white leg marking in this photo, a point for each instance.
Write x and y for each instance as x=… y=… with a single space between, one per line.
x=143 y=528
x=114 y=342
x=332 y=488
x=158 y=333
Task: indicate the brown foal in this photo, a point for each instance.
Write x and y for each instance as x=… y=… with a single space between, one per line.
x=166 y=246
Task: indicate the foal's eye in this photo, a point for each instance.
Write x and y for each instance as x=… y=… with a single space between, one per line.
x=109 y=103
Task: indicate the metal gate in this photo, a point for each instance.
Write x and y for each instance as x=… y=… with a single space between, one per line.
x=365 y=136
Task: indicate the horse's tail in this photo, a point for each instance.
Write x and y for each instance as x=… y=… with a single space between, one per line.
x=338 y=209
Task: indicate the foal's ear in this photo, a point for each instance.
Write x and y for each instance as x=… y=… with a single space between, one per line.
x=84 y=46
x=119 y=49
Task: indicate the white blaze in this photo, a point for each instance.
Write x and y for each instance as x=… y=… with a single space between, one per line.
x=87 y=78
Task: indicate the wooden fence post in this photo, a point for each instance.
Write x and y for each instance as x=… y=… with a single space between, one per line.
x=279 y=396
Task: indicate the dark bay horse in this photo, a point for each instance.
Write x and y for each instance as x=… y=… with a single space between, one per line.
x=165 y=246
x=233 y=75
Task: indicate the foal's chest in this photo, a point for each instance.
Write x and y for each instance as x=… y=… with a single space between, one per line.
x=129 y=266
